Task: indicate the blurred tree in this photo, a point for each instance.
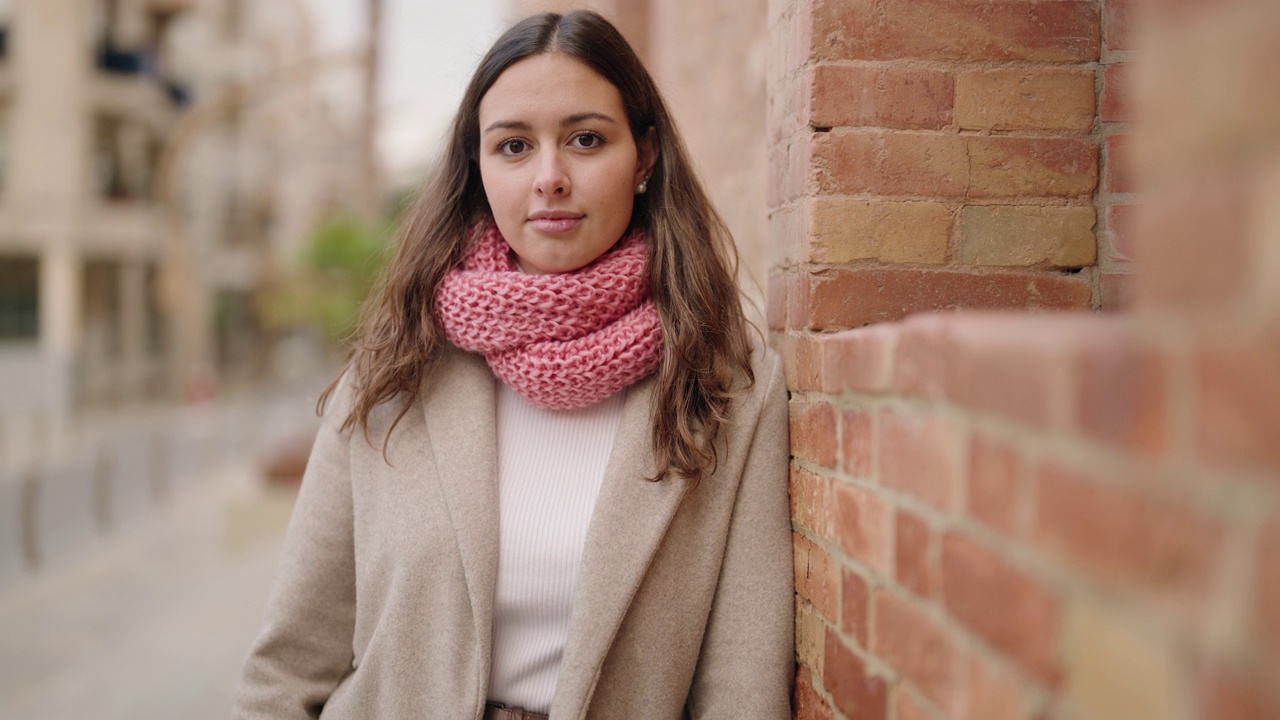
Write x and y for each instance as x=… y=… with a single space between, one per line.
x=339 y=266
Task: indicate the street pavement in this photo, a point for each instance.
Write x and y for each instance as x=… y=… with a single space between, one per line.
x=153 y=622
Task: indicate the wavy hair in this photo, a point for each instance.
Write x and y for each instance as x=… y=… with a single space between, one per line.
x=692 y=260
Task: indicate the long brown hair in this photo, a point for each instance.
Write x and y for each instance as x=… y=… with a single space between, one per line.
x=692 y=261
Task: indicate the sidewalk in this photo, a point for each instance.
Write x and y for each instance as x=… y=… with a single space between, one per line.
x=153 y=624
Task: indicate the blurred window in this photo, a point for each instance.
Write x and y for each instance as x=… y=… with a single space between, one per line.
x=6 y=18
x=19 y=298
x=4 y=144
x=125 y=157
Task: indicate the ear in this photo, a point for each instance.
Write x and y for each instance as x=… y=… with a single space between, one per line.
x=646 y=155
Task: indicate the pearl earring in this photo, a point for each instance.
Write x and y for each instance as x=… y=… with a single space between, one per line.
x=642 y=187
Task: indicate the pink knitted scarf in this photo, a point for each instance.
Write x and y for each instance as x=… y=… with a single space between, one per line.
x=562 y=341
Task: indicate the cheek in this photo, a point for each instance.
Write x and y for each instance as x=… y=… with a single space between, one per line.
x=498 y=190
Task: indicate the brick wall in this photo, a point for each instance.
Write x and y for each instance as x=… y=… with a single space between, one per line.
x=1115 y=198
x=931 y=154
x=1030 y=515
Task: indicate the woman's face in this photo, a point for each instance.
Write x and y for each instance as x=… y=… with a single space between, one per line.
x=558 y=162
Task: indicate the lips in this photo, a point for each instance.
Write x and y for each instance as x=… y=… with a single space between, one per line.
x=555 y=221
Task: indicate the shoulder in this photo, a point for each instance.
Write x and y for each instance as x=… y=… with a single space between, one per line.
x=766 y=366
x=767 y=392
x=337 y=401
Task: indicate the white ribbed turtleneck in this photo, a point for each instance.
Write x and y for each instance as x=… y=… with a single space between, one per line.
x=550 y=467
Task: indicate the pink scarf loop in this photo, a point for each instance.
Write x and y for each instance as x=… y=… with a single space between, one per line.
x=562 y=341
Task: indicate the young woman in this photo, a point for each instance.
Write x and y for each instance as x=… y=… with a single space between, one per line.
x=553 y=474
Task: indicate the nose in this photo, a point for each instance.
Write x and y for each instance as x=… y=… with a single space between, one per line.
x=552 y=178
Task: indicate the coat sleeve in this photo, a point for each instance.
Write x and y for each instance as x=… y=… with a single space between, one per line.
x=305 y=646
x=747 y=659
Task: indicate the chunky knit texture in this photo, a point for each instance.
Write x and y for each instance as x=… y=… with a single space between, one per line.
x=565 y=340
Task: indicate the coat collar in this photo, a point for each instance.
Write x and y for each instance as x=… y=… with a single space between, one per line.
x=459 y=402
x=628 y=523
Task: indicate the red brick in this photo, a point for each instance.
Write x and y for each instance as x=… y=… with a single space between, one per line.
x=811 y=635
x=886 y=96
x=1026 y=99
x=850 y=298
x=857 y=360
x=1116 y=93
x=817 y=578
x=1194 y=247
x=802 y=362
x=789 y=169
x=1015 y=613
x=784 y=343
x=1267 y=585
x=799 y=43
x=788 y=231
x=991 y=694
x=1122 y=394
x=845 y=230
x=1125 y=537
x=956 y=30
x=1012 y=366
x=848 y=162
x=855 y=605
x=857 y=439
x=809 y=705
x=776 y=190
x=918 y=648
x=1119 y=24
x=813 y=433
x=856 y=693
x=907 y=707
x=919 y=164
x=1115 y=291
x=799 y=300
x=1121 y=229
x=1119 y=165
x=1039 y=236
x=786 y=102
x=809 y=497
x=781 y=118
x=862 y=521
x=776 y=304
x=995 y=487
x=915 y=564
x=921 y=356
x=1002 y=166
x=1238 y=404
x=1225 y=694
x=918 y=455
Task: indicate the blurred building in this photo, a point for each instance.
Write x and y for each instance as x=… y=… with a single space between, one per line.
x=157 y=160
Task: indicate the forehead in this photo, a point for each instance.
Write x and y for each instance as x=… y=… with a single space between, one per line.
x=549 y=86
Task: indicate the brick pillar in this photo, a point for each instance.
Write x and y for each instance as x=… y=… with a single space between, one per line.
x=1116 y=198
x=1030 y=515
x=930 y=154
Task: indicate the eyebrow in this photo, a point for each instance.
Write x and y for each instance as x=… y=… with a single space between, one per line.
x=566 y=122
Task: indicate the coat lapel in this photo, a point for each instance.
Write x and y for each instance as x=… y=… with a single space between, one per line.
x=628 y=523
x=460 y=423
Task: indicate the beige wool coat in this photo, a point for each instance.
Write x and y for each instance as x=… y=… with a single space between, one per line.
x=382 y=603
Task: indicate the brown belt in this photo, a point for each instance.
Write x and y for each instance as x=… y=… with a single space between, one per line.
x=494 y=711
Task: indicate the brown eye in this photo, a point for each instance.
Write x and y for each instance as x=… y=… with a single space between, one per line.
x=587 y=141
x=513 y=147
